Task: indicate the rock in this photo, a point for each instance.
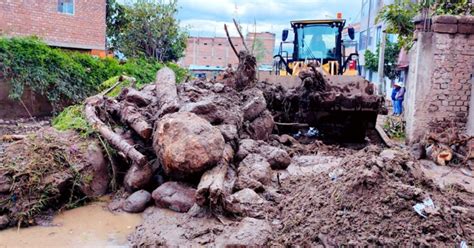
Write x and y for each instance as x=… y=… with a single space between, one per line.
x=218 y=87
x=137 y=201
x=5 y=184
x=253 y=172
x=138 y=177
x=175 y=196
x=278 y=158
x=187 y=144
x=261 y=128
x=4 y=222
x=249 y=233
x=254 y=104
x=98 y=172
x=228 y=131
x=205 y=109
x=246 y=203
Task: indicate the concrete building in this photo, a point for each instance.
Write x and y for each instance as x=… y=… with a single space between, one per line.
x=70 y=24
x=216 y=51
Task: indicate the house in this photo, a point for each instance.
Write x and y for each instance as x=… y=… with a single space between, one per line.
x=71 y=24
x=216 y=51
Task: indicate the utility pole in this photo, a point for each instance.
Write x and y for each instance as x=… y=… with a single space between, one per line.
x=368 y=25
x=382 y=89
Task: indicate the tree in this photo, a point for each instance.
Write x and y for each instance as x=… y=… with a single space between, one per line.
x=390 y=60
x=258 y=49
x=116 y=20
x=399 y=15
x=152 y=31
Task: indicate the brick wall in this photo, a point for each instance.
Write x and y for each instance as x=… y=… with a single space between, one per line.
x=85 y=29
x=216 y=51
x=440 y=76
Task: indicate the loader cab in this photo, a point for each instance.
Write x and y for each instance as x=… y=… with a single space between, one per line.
x=314 y=40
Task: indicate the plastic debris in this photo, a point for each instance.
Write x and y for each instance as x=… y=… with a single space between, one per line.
x=463 y=244
x=420 y=208
x=297 y=135
x=312 y=132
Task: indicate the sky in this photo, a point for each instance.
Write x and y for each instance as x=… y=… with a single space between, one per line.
x=207 y=17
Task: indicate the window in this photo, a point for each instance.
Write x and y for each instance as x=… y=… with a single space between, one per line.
x=205 y=43
x=66 y=6
x=317 y=42
x=363 y=40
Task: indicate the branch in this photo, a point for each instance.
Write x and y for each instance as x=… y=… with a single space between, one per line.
x=241 y=36
x=230 y=41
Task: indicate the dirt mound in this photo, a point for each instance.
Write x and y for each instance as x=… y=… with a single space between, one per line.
x=370 y=203
x=49 y=170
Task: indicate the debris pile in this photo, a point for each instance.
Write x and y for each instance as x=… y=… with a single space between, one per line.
x=372 y=202
x=446 y=145
x=49 y=170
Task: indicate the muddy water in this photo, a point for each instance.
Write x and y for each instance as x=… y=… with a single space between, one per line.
x=88 y=226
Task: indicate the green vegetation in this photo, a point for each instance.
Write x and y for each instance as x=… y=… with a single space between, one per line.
x=394 y=127
x=64 y=77
x=390 y=60
x=72 y=118
x=146 y=28
x=399 y=15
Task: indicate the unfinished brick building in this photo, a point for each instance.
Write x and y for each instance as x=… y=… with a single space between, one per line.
x=71 y=24
x=216 y=51
x=439 y=88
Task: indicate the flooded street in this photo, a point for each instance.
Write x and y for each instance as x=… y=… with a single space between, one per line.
x=89 y=226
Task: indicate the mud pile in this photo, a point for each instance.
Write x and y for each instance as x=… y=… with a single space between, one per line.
x=49 y=170
x=369 y=201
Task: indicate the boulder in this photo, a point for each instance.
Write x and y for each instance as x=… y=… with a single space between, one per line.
x=246 y=203
x=254 y=172
x=137 y=201
x=187 y=144
x=5 y=183
x=98 y=172
x=261 y=128
x=254 y=103
x=175 y=196
x=278 y=158
x=138 y=177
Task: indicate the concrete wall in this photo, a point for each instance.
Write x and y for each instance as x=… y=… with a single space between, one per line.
x=84 y=29
x=439 y=80
x=9 y=109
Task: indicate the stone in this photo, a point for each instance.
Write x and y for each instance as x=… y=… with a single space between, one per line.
x=254 y=172
x=186 y=144
x=278 y=158
x=261 y=128
x=445 y=28
x=5 y=184
x=446 y=19
x=228 y=131
x=138 y=177
x=254 y=104
x=99 y=172
x=218 y=87
x=137 y=201
x=246 y=203
x=4 y=222
x=250 y=232
x=389 y=154
x=175 y=196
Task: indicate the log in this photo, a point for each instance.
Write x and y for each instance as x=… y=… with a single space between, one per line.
x=166 y=91
x=211 y=190
x=137 y=97
x=12 y=137
x=441 y=154
x=130 y=115
x=114 y=139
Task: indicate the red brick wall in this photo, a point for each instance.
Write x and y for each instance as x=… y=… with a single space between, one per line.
x=85 y=29
x=216 y=51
